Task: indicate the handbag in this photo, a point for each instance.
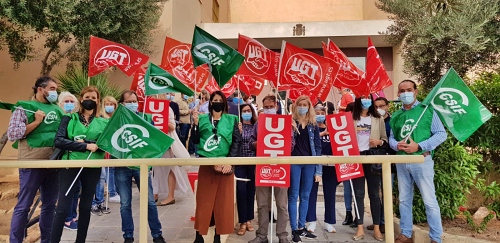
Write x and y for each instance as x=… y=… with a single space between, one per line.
x=57 y=154
x=218 y=170
x=380 y=150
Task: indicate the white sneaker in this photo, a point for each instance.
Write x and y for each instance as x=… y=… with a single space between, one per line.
x=311 y=226
x=329 y=228
x=115 y=199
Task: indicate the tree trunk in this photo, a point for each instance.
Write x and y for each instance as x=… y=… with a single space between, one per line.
x=3 y=141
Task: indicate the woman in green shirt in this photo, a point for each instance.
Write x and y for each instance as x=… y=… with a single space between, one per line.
x=77 y=135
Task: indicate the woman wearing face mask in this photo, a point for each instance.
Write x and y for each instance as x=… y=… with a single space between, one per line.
x=68 y=102
x=329 y=179
x=109 y=105
x=370 y=133
x=217 y=135
x=77 y=135
x=302 y=177
x=245 y=190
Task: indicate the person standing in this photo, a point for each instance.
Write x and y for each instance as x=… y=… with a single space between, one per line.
x=346 y=99
x=77 y=135
x=217 y=135
x=205 y=101
x=245 y=190
x=184 y=120
x=109 y=105
x=302 y=177
x=233 y=102
x=174 y=106
x=123 y=182
x=423 y=140
x=33 y=127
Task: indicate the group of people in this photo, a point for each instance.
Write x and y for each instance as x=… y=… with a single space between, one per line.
x=212 y=125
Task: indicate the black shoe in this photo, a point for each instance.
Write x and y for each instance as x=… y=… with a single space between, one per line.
x=217 y=238
x=199 y=238
x=308 y=235
x=348 y=218
x=159 y=239
x=353 y=225
x=129 y=240
x=382 y=228
x=296 y=236
x=96 y=210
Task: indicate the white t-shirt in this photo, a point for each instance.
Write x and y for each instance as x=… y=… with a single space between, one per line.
x=363 y=128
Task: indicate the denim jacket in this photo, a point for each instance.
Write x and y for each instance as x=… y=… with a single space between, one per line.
x=315 y=143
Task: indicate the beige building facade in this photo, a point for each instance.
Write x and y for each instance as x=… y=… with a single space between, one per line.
x=303 y=23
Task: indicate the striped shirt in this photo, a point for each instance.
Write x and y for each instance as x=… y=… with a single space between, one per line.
x=438 y=134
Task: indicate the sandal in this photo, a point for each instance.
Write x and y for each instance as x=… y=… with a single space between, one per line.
x=243 y=229
x=250 y=227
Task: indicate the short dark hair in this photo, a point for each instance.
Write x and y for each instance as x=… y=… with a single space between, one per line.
x=270 y=98
x=224 y=100
x=383 y=99
x=42 y=81
x=254 y=116
x=330 y=108
x=127 y=92
x=410 y=81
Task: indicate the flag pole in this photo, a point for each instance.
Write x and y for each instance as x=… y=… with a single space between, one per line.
x=76 y=177
x=334 y=101
x=355 y=203
x=88 y=81
x=144 y=105
x=238 y=104
x=416 y=123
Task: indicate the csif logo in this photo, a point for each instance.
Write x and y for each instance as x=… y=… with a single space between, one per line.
x=211 y=143
x=128 y=137
x=304 y=69
x=210 y=51
x=407 y=127
x=257 y=58
x=111 y=54
x=450 y=100
x=159 y=82
x=51 y=117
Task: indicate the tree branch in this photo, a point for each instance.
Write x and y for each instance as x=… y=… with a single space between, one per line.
x=54 y=46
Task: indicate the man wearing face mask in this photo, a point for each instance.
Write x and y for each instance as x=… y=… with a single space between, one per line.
x=123 y=180
x=233 y=103
x=264 y=193
x=174 y=106
x=34 y=133
x=408 y=138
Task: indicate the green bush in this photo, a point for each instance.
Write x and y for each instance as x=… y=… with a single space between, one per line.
x=455 y=174
x=75 y=79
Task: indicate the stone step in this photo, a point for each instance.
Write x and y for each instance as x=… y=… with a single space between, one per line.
x=339 y=194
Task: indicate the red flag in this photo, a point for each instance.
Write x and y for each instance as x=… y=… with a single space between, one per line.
x=201 y=74
x=138 y=86
x=177 y=60
x=301 y=69
x=159 y=109
x=212 y=85
x=104 y=54
x=229 y=87
x=250 y=85
x=293 y=94
x=376 y=75
x=348 y=76
x=259 y=61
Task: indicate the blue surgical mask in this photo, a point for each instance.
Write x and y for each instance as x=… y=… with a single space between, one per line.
x=270 y=111
x=185 y=97
x=52 y=96
x=366 y=103
x=303 y=110
x=407 y=97
x=168 y=97
x=320 y=118
x=132 y=106
x=68 y=107
x=109 y=108
x=172 y=97
x=246 y=116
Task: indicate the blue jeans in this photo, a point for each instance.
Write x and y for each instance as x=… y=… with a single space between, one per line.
x=347 y=195
x=423 y=176
x=301 y=182
x=123 y=179
x=74 y=204
x=99 y=191
x=183 y=135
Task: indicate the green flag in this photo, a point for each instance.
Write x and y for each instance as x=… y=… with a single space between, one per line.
x=457 y=107
x=6 y=106
x=159 y=81
x=128 y=136
x=222 y=60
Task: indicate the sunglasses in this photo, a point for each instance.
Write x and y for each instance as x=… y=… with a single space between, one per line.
x=214 y=131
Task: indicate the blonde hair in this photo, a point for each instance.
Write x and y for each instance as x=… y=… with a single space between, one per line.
x=310 y=117
x=107 y=99
x=63 y=95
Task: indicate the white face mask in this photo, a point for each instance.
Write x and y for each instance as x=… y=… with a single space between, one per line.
x=381 y=112
x=270 y=111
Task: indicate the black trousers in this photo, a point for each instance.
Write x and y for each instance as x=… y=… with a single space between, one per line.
x=373 y=181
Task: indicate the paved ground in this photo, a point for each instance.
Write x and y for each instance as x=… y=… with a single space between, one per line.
x=178 y=227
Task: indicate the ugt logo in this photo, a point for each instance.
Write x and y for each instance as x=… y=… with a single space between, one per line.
x=257 y=58
x=127 y=137
x=304 y=69
x=113 y=54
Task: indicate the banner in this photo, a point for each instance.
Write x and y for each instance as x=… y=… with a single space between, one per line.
x=223 y=61
x=457 y=107
x=105 y=54
x=128 y=136
x=159 y=81
x=259 y=61
x=159 y=109
x=6 y=106
x=344 y=143
x=273 y=140
x=138 y=86
x=301 y=69
x=376 y=76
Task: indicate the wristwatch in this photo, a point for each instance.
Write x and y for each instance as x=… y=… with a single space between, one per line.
x=419 y=148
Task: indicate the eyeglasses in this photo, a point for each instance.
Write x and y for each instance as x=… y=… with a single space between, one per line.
x=69 y=101
x=214 y=131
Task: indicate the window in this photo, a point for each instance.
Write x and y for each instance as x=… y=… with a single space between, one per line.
x=215 y=11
